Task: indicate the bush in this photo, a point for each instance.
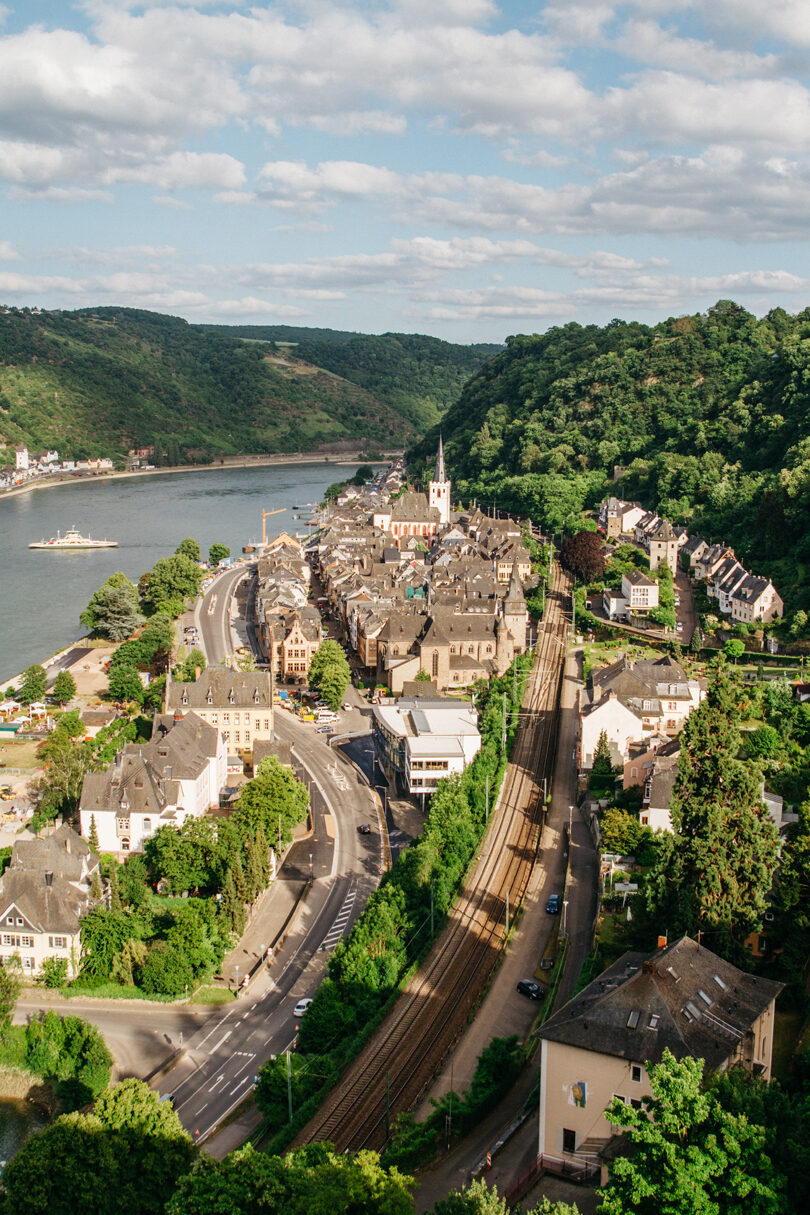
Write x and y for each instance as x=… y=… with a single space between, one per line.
x=166 y=970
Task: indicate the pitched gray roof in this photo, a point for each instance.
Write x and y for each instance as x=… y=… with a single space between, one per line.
x=682 y=997
x=222 y=687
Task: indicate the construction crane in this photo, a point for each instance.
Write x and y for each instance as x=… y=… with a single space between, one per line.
x=265 y=513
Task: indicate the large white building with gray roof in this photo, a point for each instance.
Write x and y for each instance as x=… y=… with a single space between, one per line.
x=420 y=741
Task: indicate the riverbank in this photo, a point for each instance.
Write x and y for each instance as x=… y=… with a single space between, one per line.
x=280 y=459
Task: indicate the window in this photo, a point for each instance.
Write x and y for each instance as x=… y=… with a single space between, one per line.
x=636 y=1073
x=236 y=737
x=635 y=1102
x=226 y=718
x=57 y=942
x=247 y=735
x=632 y=1020
x=619 y=1097
x=707 y=1000
x=125 y=844
x=147 y=826
x=569 y=1143
x=20 y=921
x=27 y=942
x=654 y=1019
x=8 y=939
x=266 y=723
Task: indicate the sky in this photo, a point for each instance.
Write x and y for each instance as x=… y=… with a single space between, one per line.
x=464 y=168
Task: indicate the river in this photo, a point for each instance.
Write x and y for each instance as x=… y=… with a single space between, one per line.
x=42 y=593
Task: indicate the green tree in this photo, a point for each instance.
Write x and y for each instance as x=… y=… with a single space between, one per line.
x=124 y=684
x=734 y=648
x=188 y=548
x=173 y=581
x=217 y=552
x=10 y=988
x=34 y=683
x=329 y=673
x=475 y=1199
x=113 y=609
x=53 y=972
x=64 y=688
x=103 y=934
x=716 y=872
x=763 y=742
x=689 y=1156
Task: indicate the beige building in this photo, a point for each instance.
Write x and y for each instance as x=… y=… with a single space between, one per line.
x=43 y=895
x=664 y=547
x=601 y=1043
x=238 y=703
x=756 y=599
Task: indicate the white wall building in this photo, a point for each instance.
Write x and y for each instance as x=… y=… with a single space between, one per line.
x=422 y=741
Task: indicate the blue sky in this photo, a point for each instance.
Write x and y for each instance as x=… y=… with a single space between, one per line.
x=465 y=168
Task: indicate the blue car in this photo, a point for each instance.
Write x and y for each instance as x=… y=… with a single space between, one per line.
x=554 y=905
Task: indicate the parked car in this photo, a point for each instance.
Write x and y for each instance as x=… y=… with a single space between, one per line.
x=365 y=828
x=679 y=626
x=323 y=729
x=534 y=991
x=302 y=1006
x=347 y=707
x=554 y=905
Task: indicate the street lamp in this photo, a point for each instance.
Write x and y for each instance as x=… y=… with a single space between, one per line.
x=236 y=968
x=310 y=866
x=565 y=915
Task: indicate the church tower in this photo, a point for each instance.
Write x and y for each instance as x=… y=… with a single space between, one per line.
x=439 y=488
x=515 y=612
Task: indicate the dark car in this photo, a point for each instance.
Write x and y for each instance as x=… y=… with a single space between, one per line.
x=365 y=828
x=528 y=987
x=554 y=905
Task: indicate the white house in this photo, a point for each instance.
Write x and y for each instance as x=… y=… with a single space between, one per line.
x=421 y=741
x=176 y=776
x=43 y=895
x=21 y=456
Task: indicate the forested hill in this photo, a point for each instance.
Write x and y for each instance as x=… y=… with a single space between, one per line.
x=103 y=380
x=710 y=414
x=416 y=375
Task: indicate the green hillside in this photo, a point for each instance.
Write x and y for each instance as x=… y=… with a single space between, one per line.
x=101 y=381
x=710 y=414
x=417 y=376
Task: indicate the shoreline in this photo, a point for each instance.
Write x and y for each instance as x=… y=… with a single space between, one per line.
x=263 y=461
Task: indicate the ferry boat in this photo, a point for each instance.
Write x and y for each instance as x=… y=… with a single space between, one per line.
x=72 y=540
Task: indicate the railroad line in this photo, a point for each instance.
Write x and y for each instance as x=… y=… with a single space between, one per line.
x=433 y=1009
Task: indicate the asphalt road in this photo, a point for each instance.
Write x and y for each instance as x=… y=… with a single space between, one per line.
x=223 y=1051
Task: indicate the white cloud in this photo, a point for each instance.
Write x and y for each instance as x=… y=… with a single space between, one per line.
x=173 y=204
x=8 y=251
x=647 y=42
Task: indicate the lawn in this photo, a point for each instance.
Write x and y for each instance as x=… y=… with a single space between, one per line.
x=212 y=995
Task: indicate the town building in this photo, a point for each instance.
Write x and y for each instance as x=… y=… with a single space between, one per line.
x=44 y=893
x=756 y=600
x=631 y=702
x=638 y=596
x=420 y=741
x=439 y=488
x=176 y=776
x=601 y=1044
x=663 y=547
x=239 y=704
x=619 y=518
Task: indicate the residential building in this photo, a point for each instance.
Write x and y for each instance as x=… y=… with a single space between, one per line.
x=21 y=457
x=238 y=703
x=619 y=518
x=44 y=893
x=421 y=741
x=176 y=776
x=632 y=702
x=756 y=600
x=601 y=1044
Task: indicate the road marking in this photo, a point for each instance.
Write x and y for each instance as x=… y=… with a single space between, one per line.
x=244 y=1065
x=329 y=825
x=235 y=1089
x=203 y=1107
x=341 y=919
x=222 y=1041
x=218 y=1080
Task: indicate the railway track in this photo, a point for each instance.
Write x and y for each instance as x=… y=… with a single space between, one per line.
x=396 y=1066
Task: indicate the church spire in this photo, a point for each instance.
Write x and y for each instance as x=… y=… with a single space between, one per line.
x=514 y=593
x=440 y=475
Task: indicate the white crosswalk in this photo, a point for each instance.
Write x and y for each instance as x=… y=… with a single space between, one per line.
x=335 y=933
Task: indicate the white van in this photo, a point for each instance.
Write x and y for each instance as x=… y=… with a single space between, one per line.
x=325 y=717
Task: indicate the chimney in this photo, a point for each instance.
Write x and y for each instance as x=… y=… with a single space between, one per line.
x=178 y=716
x=49 y=879
x=67 y=843
x=662 y=942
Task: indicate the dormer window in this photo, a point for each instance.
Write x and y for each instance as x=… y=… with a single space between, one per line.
x=231 y=697
x=210 y=697
x=184 y=697
x=256 y=697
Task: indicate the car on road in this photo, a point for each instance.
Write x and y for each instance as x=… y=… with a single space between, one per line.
x=323 y=730
x=528 y=987
x=554 y=905
x=365 y=828
x=302 y=1006
x=679 y=626
x=347 y=708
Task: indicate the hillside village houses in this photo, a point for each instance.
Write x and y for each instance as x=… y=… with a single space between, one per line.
x=29 y=467
x=601 y=1044
x=44 y=893
x=747 y=598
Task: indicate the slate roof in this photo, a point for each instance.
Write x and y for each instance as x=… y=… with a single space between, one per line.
x=413 y=508
x=227 y=688
x=682 y=997
x=637 y=578
x=64 y=853
x=750 y=589
x=663 y=532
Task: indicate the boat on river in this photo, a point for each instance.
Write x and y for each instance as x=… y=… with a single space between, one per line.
x=72 y=539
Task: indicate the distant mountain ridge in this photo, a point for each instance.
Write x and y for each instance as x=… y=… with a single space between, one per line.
x=100 y=381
